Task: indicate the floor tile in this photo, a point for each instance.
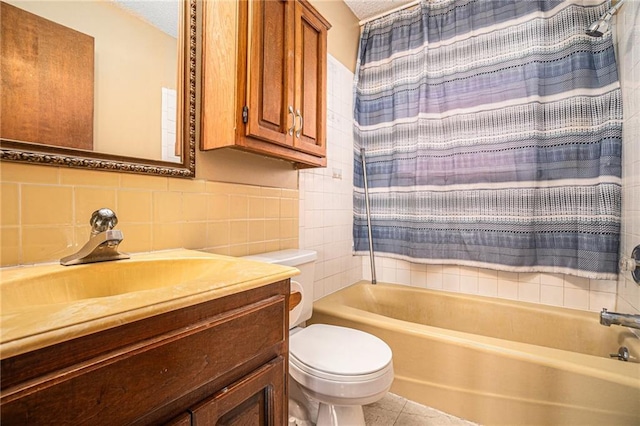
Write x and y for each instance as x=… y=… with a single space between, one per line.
x=394 y=410
x=384 y=412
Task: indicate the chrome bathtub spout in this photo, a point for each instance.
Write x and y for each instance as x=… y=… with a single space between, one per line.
x=613 y=318
x=103 y=242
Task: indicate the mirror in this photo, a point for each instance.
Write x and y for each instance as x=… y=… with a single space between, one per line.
x=100 y=84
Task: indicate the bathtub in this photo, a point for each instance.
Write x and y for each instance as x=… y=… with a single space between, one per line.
x=496 y=361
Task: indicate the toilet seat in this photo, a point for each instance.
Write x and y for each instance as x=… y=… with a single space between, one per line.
x=339 y=354
x=340 y=366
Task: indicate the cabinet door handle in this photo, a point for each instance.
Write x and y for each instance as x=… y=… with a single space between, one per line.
x=299 y=131
x=293 y=121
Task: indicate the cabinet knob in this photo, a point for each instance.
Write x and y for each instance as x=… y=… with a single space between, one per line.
x=299 y=131
x=293 y=121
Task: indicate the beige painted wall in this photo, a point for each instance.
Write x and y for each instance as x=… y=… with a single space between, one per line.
x=344 y=34
x=129 y=76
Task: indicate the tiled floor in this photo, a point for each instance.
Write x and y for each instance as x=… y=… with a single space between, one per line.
x=394 y=410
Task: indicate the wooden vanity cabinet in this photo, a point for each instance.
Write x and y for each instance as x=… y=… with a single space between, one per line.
x=270 y=97
x=219 y=362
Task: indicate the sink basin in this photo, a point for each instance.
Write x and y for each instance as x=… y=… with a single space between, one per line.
x=44 y=304
x=43 y=286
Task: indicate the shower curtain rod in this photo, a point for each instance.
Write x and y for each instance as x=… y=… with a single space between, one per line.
x=380 y=15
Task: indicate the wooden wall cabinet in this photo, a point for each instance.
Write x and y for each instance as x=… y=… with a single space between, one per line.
x=264 y=79
x=219 y=362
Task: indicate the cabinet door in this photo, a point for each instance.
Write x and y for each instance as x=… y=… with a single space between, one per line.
x=311 y=81
x=257 y=399
x=270 y=71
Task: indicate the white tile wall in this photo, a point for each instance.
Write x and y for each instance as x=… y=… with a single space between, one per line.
x=628 y=36
x=547 y=289
x=326 y=200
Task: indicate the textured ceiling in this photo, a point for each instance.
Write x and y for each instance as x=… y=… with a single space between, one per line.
x=162 y=14
x=364 y=9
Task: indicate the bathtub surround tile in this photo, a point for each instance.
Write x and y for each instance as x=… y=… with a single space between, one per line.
x=419 y=278
x=552 y=279
x=599 y=300
x=487 y=273
x=551 y=295
x=508 y=289
x=467 y=271
x=488 y=286
x=627 y=27
x=451 y=282
x=576 y=282
x=604 y=286
x=547 y=289
x=434 y=280
x=469 y=284
x=528 y=292
x=389 y=275
x=576 y=298
x=533 y=278
x=403 y=276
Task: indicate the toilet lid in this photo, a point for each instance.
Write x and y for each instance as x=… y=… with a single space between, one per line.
x=339 y=350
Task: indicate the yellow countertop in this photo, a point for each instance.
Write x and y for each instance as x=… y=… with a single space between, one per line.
x=46 y=304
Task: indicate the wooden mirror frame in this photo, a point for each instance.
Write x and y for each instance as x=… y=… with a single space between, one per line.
x=56 y=156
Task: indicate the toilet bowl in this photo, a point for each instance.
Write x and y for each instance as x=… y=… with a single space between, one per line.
x=338 y=368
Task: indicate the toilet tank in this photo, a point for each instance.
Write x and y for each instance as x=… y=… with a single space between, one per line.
x=305 y=261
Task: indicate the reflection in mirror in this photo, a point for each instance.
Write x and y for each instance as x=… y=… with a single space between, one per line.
x=105 y=84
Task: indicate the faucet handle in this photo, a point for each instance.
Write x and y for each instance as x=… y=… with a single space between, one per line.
x=102 y=220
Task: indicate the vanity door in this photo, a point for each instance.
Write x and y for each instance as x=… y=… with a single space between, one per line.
x=256 y=399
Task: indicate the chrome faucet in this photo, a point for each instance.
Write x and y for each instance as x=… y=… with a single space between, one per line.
x=103 y=242
x=614 y=318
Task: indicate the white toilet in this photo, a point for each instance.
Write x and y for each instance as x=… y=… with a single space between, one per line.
x=340 y=368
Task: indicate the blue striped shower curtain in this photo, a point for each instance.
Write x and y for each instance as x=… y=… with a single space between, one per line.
x=493 y=134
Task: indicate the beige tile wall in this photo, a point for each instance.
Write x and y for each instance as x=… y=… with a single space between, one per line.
x=45 y=213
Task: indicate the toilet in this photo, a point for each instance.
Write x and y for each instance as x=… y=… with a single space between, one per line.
x=338 y=368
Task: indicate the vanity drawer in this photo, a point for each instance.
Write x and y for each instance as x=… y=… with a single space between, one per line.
x=154 y=379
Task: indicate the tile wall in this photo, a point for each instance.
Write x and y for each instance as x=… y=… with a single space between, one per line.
x=548 y=289
x=45 y=213
x=628 y=35
x=326 y=195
